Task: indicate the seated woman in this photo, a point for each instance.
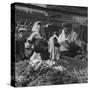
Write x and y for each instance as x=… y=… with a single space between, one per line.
x=69 y=41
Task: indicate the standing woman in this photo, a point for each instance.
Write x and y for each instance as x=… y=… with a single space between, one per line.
x=33 y=40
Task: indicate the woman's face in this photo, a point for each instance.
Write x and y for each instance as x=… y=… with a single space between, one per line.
x=67 y=30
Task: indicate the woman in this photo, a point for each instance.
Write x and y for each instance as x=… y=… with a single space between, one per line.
x=34 y=36
x=69 y=41
x=37 y=43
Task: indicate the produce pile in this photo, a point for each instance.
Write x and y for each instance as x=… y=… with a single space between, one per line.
x=65 y=71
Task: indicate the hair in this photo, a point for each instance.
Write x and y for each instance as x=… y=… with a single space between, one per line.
x=67 y=25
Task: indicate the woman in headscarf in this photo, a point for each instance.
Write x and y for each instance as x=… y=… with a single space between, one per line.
x=37 y=43
x=35 y=35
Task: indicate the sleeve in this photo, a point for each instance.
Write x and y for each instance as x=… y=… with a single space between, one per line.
x=29 y=40
x=31 y=37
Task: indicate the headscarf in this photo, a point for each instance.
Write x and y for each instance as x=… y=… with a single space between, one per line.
x=35 y=26
x=35 y=31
